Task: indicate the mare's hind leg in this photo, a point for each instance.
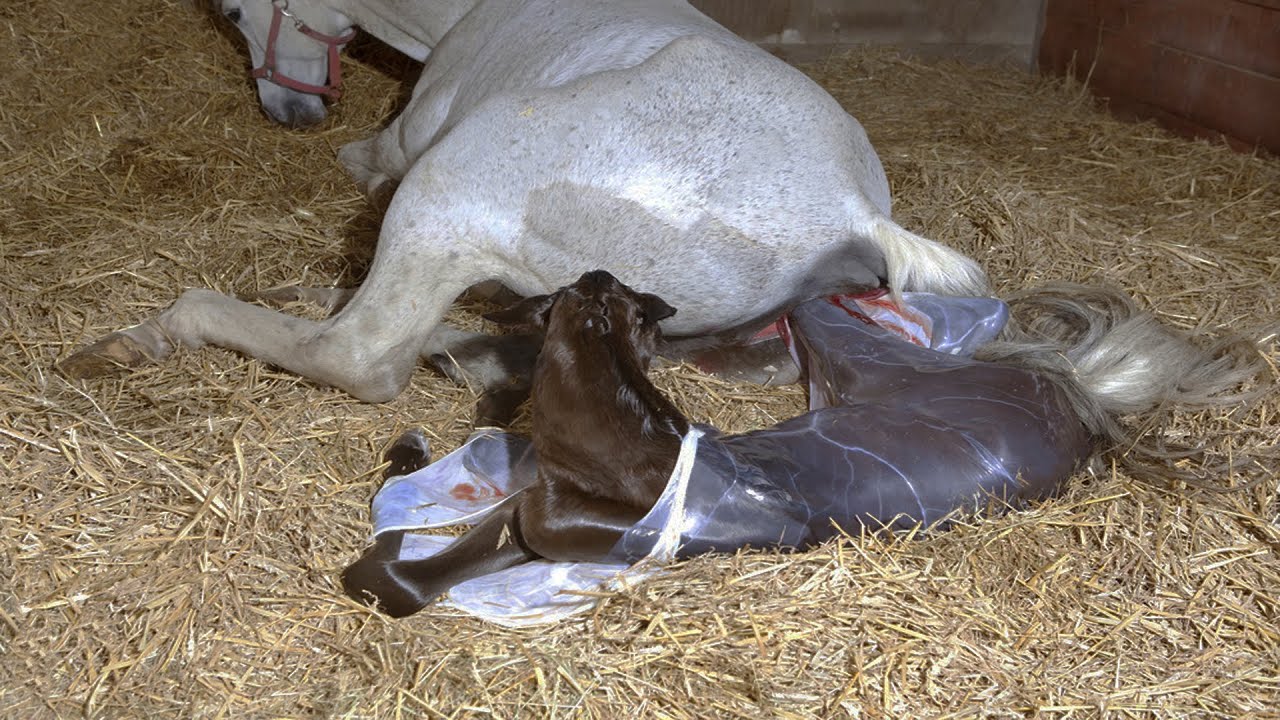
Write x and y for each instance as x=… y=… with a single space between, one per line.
x=499 y=367
x=766 y=362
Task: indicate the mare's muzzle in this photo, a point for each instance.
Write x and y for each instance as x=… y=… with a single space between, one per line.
x=332 y=89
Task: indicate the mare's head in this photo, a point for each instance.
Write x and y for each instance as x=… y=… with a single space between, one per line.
x=294 y=45
x=595 y=309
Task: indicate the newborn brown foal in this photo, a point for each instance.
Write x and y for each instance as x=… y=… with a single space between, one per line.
x=606 y=441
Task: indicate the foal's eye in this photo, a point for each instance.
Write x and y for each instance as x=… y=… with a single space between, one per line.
x=233 y=15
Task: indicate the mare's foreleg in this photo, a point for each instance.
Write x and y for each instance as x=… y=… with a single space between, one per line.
x=380 y=162
x=369 y=349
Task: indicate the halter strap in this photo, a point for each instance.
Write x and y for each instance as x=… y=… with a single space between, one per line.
x=332 y=88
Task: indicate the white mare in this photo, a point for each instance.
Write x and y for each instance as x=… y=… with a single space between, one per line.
x=546 y=138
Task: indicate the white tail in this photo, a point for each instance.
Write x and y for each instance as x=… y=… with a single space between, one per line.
x=1115 y=360
x=919 y=264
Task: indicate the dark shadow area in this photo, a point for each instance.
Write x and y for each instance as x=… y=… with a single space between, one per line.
x=386 y=60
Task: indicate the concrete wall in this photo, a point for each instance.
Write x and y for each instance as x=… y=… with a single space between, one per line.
x=979 y=30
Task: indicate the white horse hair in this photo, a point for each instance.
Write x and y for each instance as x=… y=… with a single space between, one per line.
x=550 y=137
x=546 y=138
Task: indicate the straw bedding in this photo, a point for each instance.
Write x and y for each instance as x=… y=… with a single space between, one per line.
x=171 y=537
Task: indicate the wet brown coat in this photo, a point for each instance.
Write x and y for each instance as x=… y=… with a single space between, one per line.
x=606 y=441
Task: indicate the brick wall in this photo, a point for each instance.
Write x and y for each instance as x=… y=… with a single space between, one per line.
x=1208 y=68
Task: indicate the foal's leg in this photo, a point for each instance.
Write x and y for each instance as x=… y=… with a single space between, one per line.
x=580 y=528
x=571 y=526
x=403 y=587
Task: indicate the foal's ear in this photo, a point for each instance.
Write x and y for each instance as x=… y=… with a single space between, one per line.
x=532 y=313
x=655 y=308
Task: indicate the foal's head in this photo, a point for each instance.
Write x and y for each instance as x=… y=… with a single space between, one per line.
x=597 y=309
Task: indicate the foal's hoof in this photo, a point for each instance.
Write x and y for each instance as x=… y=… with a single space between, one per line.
x=117 y=351
x=370 y=582
x=372 y=579
x=409 y=453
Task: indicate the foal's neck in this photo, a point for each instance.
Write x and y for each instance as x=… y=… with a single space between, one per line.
x=601 y=388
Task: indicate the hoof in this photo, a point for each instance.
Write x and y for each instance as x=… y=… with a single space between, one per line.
x=449 y=368
x=409 y=453
x=373 y=580
x=497 y=407
x=115 y=352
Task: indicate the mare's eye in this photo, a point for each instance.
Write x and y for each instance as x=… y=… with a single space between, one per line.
x=233 y=15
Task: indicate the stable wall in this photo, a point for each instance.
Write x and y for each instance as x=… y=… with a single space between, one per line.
x=988 y=31
x=1204 y=68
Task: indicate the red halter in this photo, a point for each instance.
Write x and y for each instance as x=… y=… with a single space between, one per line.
x=332 y=88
